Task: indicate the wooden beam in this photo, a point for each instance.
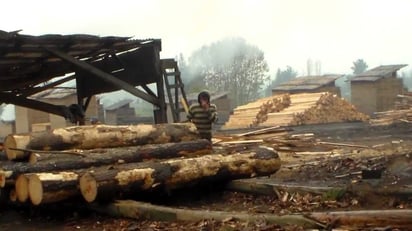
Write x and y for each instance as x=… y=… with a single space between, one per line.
x=105 y=76
x=60 y=110
x=35 y=90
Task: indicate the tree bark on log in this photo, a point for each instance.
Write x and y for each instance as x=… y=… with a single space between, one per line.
x=397 y=219
x=98 y=136
x=176 y=173
x=271 y=187
x=98 y=157
x=146 y=211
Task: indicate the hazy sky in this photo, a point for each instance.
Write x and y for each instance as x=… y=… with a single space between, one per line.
x=289 y=32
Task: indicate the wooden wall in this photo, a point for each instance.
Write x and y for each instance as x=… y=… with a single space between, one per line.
x=28 y=120
x=375 y=96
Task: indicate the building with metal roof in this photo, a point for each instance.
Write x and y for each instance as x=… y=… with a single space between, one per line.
x=376 y=89
x=308 y=84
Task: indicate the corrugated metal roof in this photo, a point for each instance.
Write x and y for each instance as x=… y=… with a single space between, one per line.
x=377 y=73
x=307 y=82
x=119 y=104
x=54 y=93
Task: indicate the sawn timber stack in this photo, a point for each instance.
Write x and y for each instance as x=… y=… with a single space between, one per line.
x=294 y=109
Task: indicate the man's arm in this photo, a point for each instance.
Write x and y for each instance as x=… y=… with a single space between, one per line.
x=213 y=113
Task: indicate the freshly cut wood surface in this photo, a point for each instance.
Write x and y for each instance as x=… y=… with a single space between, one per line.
x=52 y=187
x=98 y=136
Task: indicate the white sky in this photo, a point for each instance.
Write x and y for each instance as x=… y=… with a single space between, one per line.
x=289 y=32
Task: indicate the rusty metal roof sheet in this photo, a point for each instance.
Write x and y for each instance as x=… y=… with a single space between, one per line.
x=377 y=73
x=25 y=60
x=307 y=83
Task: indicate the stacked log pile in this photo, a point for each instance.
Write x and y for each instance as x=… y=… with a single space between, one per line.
x=300 y=109
x=254 y=113
x=108 y=162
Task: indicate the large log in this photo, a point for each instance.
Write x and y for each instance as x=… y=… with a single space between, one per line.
x=97 y=157
x=176 y=173
x=346 y=220
x=52 y=187
x=98 y=136
x=47 y=187
x=146 y=211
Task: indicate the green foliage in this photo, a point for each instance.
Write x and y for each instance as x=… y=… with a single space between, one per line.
x=359 y=66
x=229 y=65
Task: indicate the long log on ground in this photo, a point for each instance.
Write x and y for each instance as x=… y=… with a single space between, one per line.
x=98 y=136
x=10 y=170
x=396 y=218
x=271 y=186
x=176 y=173
x=146 y=211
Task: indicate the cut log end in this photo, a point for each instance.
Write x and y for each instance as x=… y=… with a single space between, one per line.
x=22 y=188
x=88 y=187
x=35 y=188
x=13 y=195
x=33 y=158
x=12 y=142
x=9 y=143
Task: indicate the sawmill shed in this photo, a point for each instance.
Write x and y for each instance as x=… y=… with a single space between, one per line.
x=32 y=64
x=376 y=89
x=309 y=84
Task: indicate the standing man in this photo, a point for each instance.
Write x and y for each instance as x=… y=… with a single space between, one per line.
x=203 y=114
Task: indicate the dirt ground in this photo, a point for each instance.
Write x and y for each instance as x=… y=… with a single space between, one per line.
x=336 y=154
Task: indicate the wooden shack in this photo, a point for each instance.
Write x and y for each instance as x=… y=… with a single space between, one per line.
x=309 y=84
x=376 y=89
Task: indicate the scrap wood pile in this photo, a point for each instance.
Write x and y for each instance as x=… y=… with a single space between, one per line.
x=401 y=113
x=403 y=101
x=296 y=109
x=391 y=117
x=278 y=138
x=108 y=162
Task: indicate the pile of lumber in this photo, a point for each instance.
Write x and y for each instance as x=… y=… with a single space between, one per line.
x=401 y=113
x=110 y=162
x=254 y=113
x=403 y=101
x=298 y=109
x=391 y=117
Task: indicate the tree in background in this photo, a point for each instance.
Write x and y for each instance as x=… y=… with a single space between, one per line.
x=282 y=76
x=359 y=66
x=229 y=65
